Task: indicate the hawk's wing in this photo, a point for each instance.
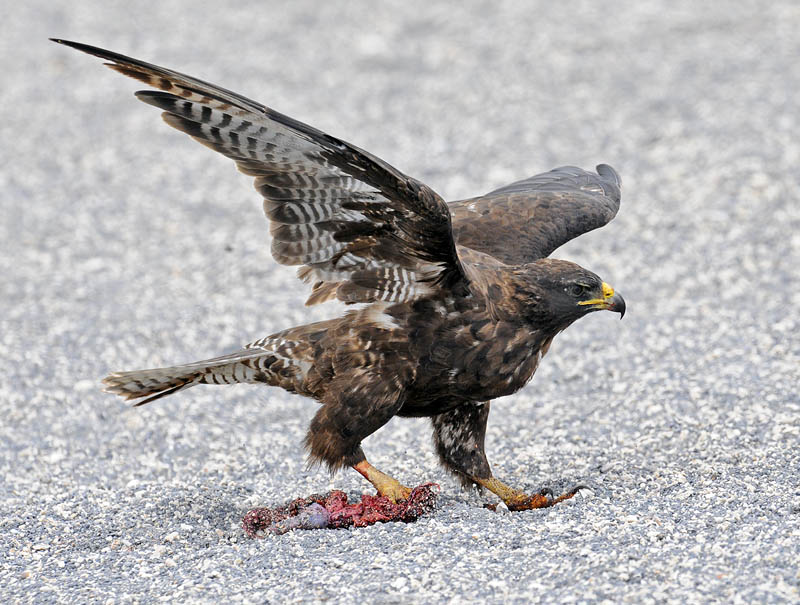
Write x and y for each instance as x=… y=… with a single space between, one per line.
x=363 y=230
x=527 y=220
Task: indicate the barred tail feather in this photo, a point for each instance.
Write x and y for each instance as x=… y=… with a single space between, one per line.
x=156 y=382
x=246 y=366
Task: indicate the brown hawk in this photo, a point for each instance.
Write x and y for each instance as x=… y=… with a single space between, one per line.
x=459 y=301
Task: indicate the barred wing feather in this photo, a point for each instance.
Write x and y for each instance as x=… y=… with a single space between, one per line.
x=362 y=230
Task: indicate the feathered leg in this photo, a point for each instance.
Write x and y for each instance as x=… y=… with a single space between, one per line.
x=459 y=438
x=355 y=407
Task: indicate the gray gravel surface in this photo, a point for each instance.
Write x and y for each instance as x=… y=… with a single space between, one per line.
x=127 y=245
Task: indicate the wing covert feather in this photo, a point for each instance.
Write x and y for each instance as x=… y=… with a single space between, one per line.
x=527 y=220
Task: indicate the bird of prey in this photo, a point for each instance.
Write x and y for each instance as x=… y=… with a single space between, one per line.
x=459 y=301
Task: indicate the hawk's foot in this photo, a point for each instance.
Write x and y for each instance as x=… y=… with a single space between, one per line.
x=543 y=499
x=387 y=486
x=516 y=500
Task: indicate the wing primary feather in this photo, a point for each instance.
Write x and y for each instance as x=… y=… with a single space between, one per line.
x=334 y=206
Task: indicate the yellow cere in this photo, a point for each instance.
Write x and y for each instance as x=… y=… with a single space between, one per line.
x=608 y=292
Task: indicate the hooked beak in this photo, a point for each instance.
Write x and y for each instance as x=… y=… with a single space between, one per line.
x=611 y=301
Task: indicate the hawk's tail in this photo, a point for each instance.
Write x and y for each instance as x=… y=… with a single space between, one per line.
x=247 y=365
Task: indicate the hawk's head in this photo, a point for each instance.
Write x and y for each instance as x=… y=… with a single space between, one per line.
x=557 y=292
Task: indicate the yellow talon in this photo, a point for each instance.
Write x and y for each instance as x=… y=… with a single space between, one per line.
x=387 y=486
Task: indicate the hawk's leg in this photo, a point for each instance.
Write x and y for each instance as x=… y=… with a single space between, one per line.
x=387 y=486
x=360 y=407
x=459 y=438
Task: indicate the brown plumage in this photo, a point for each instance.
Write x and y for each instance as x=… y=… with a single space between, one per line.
x=460 y=301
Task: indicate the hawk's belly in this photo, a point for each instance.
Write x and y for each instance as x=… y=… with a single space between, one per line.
x=438 y=389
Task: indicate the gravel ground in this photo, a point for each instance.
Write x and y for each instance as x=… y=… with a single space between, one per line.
x=127 y=245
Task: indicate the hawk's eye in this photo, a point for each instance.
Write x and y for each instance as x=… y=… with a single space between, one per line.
x=577 y=290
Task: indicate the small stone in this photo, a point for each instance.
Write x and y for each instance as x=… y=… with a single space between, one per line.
x=82 y=386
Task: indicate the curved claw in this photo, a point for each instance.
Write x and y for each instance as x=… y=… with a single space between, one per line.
x=517 y=500
x=576 y=489
x=544 y=499
x=569 y=493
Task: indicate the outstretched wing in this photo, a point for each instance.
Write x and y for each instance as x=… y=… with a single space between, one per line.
x=527 y=220
x=363 y=230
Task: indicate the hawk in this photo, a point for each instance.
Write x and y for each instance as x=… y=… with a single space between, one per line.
x=458 y=302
